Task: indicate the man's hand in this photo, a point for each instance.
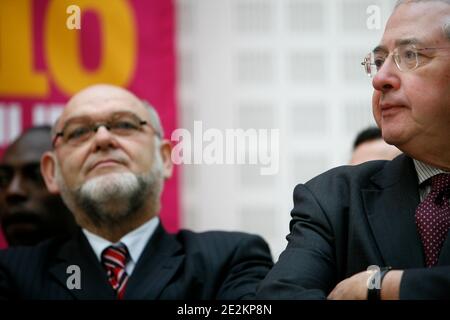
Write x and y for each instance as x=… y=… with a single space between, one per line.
x=355 y=287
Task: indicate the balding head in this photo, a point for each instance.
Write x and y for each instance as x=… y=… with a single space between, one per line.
x=97 y=99
x=109 y=160
x=100 y=92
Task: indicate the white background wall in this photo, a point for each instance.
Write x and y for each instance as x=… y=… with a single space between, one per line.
x=287 y=64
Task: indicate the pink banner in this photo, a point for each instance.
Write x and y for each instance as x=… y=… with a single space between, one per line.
x=50 y=49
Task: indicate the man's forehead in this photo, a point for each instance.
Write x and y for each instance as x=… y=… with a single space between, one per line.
x=416 y=22
x=400 y=42
x=102 y=106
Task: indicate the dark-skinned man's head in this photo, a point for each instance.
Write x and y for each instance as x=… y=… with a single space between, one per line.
x=29 y=213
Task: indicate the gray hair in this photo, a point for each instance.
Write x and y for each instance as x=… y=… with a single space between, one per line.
x=155 y=121
x=445 y=27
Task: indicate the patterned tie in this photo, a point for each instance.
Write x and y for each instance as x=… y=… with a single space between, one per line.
x=433 y=217
x=114 y=259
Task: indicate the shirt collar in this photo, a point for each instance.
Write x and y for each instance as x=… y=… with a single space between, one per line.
x=134 y=240
x=425 y=171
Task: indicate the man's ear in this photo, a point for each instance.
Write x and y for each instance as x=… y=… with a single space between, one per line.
x=48 y=171
x=166 y=152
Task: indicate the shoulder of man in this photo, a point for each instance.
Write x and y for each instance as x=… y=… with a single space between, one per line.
x=245 y=255
x=359 y=176
x=340 y=189
x=220 y=247
x=217 y=240
x=29 y=257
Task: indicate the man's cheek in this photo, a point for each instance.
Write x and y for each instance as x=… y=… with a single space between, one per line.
x=377 y=115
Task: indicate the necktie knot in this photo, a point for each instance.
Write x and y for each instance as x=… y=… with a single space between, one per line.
x=433 y=218
x=440 y=182
x=440 y=187
x=116 y=256
x=114 y=260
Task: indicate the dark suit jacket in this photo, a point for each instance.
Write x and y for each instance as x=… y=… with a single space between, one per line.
x=345 y=220
x=426 y=283
x=186 y=265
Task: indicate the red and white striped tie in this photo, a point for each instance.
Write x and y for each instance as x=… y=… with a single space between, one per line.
x=114 y=259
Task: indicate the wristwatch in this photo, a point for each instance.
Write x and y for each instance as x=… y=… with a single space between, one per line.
x=374 y=291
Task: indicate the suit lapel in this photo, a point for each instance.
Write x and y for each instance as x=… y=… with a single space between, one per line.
x=390 y=205
x=158 y=263
x=78 y=252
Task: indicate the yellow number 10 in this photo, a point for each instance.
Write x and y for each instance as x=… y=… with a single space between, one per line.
x=62 y=48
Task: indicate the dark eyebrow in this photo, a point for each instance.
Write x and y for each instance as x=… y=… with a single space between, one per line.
x=399 y=42
x=403 y=42
x=380 y=49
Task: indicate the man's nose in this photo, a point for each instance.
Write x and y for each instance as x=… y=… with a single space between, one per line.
x=16 y=192
x=104 y=139
x=387 y=78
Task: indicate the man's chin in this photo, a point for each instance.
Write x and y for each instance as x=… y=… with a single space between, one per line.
x=111 y=186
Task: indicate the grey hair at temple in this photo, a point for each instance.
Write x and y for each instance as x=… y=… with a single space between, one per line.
x=446 y=28
x=155 y=121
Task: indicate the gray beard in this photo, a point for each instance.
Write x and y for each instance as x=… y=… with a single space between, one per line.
x=111 y=199
x=115 y=199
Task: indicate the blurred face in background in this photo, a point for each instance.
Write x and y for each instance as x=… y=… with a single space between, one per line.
x=29 y=213
x=376 y=149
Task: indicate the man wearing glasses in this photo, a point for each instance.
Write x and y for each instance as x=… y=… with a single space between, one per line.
x=109 y=162
x=379 y=230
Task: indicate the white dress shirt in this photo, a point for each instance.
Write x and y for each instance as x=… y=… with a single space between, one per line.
x=135 y=241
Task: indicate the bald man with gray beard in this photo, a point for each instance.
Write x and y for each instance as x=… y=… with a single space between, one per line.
x=109 y=162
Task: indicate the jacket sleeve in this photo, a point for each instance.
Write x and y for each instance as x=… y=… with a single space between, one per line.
x=249 y=263
x=306 y=268
x=432 y=283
